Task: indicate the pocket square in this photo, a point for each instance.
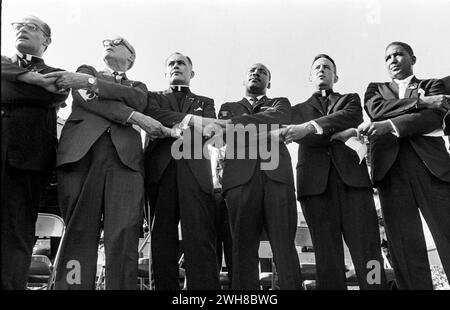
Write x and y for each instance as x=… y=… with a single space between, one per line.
x=198 y=109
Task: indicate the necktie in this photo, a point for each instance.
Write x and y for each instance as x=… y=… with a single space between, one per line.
x=118 y=76
x=253 y=101
x=22 y=62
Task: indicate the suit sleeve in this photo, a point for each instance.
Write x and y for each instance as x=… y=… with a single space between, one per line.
x=114 y=102
x=11 y=71
x=378 y=108
x=279 y=113
x=17 y=92
x=349 y=117
x=154 y=109
x=418 y=123
x=209 y=109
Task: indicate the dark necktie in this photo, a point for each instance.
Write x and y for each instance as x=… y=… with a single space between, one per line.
x=118 y=77
x=25 y=63
x=253 y=101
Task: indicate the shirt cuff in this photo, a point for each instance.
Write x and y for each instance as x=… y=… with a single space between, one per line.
x=129 y=117
x=394 y=129
x=319 y=130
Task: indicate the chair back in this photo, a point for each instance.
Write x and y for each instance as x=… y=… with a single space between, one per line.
x=49 y=225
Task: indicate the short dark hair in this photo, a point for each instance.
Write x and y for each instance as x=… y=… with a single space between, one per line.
x=178 y=53
x=405 y=46
x=318 y=56
x=47 y=29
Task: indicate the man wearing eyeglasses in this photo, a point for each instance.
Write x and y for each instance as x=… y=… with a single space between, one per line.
x=28 y=110
x=100 y=170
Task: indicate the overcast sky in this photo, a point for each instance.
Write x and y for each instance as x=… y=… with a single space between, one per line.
x=224 y=37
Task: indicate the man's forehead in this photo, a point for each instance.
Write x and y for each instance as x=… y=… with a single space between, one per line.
x=258 y=66
x=395 y=48
x=176 y=57
x=32 y=19
x=322 y=60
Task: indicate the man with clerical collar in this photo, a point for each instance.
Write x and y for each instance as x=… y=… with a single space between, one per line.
x=333 y=188
x=409 y=164
x=259 y=198
x=28 y=109
x=100 y=169
x=181 y=190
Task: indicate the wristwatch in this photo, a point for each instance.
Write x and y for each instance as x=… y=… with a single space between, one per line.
x=92 y=81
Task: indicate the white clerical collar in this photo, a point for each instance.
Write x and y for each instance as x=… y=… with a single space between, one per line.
x=404 y=81
x=257 y=97
x=26 y=56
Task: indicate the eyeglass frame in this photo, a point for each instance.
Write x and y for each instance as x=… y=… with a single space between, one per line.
x=22 y=25
x=121 y=42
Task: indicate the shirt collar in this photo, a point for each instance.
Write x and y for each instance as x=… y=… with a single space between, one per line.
x=257 y=98
x=404 y=81
x=108 y=69
x=28 y=57
x=323 y=92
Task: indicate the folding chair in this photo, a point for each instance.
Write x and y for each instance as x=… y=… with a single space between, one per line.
x=303 y=243
x=42 y=271
x=267 y=278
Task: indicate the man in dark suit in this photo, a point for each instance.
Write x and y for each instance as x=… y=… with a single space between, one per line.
x=100 y=170
x=257 y=197
x=409 y=165
x=446 y=124
x=333 y=187
x=28 y=111
x=179 y=188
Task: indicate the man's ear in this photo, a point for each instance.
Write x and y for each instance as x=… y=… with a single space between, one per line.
x=268 y=85
x=192 y=74
x=413 y=58
x=47 y=42
x=132 y=58
x=336 y=78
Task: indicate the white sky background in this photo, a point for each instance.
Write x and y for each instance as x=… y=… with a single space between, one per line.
x=224 y=37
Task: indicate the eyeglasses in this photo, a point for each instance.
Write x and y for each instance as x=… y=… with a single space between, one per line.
x=28 y=27
x=117 y=42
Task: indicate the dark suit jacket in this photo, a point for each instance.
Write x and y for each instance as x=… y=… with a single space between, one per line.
x=270 y=111
x=317 y=152
x=446 y=81
x=89 y=120
x=382 y=102
x=28 y=119
x=163 y=106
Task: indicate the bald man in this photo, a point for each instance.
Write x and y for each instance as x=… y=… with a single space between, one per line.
x=100 y=170
x=29 y=105
x=257 y=197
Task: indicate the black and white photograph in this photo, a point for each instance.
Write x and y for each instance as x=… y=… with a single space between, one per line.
x=224 y=147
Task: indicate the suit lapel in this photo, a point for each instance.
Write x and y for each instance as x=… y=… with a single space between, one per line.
x=244 y=102
x=332 y=101
x=261 y=102
x=412 y=88
x=314 y=101
x=172 y=100
x=393 y=87
x=188 y=101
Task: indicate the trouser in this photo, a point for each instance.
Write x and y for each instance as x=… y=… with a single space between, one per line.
x=407 y=188
x=349 y=212
x=94 y=193
x=177 y=197
x=21 y=193
x=260 y=203
x=224 y=239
